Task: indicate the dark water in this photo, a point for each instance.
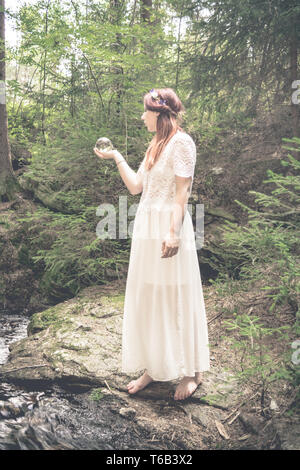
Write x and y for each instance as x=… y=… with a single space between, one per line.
x=53 y=418
x=12 y=328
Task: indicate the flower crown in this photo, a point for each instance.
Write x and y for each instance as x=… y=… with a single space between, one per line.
x=156 y=97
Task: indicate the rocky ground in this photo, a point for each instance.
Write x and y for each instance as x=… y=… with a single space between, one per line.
x=77 y=345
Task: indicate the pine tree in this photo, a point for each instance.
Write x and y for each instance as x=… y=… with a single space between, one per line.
x=8 y=181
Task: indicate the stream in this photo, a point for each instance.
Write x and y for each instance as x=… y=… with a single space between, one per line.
x=55 y=419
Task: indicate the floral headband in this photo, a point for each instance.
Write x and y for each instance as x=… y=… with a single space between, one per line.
x=156 y=97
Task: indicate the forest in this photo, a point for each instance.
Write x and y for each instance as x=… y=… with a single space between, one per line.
x=72 y=71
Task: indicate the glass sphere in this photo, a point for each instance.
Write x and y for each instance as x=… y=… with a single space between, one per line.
x=104 y=144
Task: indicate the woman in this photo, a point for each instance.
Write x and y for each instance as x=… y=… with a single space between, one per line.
x=164 y=323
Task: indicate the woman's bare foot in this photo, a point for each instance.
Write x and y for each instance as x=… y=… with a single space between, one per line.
x=187 y=386
x=140 y=383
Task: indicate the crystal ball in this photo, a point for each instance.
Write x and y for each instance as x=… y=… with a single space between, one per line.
x=104 y=144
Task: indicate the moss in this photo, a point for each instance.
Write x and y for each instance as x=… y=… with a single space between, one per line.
x=23 y=256
x=211 y=399
x=9 y=186
x=96 y=394
x=56 y=317
x=113 y=300
x=219 y=212
x=50 y=317
x=78 y=308
x=73 y=347
x=56 y=359
x=4 y=220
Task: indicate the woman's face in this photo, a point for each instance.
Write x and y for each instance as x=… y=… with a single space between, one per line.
x=150 y=119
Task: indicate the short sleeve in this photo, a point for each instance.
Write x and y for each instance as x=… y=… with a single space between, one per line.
x=184 y=157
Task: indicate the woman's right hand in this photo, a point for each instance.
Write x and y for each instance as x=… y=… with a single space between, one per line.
x=106 y=155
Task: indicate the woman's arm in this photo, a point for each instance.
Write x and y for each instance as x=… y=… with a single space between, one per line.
x=128 y=175
x=172 y=240
x=184 y=158
x=183 y=187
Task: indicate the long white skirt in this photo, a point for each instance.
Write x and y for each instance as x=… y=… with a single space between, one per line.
x=164 y=323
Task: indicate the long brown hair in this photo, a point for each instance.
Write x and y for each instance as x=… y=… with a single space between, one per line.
x=167 y=125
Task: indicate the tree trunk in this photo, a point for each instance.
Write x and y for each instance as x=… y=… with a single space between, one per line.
x=8 y=181
x=44 y=78
x=293 y=65
x=145 y=15
x=146 y=7
x=178 y=51
x=253 y=104
x=116 y=11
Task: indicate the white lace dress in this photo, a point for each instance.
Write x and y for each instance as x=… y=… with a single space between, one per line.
x=164 y=323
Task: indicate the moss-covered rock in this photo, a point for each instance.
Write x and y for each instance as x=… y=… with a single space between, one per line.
x=78 y=338
x=79 y=342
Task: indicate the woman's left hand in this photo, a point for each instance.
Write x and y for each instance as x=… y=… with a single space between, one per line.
x=112 y=154
x=170 y=245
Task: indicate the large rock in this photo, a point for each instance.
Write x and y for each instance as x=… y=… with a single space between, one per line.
x=77 y=343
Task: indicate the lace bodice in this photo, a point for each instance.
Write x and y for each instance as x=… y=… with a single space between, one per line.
x=177 y=158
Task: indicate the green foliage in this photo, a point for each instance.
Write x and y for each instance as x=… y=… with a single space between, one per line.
x=5 y=222
x=267 y=247
x=85 y=68
x=96 y=394
x=226 y=285
x=266 y=250
x=50 y=317
x=67 y=253
x=62 y=246
x=241 y=44
x=258 y=365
